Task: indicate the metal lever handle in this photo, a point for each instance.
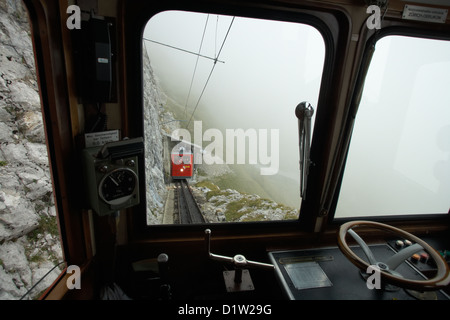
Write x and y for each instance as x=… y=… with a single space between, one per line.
x=238 y=260
x=163 y=266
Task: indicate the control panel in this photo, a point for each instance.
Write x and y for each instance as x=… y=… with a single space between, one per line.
x=420 y=260
x=112 y=176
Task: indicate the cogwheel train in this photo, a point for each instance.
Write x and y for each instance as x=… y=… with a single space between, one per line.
x=182 y=164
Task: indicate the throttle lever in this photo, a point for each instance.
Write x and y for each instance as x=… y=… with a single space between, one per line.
x=238 y=260
x=238 y=279
x=163 y=267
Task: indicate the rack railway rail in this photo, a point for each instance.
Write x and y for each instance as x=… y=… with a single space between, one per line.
x=187 y=208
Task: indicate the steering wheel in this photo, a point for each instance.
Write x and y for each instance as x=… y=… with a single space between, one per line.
x=387 y=268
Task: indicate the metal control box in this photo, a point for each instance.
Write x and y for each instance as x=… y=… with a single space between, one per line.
x=112 y=176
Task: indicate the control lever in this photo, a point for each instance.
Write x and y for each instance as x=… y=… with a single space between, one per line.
x=238 y=279
x=163 y=267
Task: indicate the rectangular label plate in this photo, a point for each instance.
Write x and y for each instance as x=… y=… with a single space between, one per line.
x=306 y=275
x=97 y=139
x=425 y=14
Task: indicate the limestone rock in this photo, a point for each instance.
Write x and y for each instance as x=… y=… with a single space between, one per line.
x=156 y=190
x=29 y=247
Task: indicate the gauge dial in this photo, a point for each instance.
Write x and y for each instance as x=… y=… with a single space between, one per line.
x=118 y=186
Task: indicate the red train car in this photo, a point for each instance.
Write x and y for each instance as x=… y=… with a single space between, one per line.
x=182 y=165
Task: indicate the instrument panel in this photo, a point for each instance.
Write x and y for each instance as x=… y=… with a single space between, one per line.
x=111 y=174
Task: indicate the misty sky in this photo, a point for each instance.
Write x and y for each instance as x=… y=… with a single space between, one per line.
x=399 y=160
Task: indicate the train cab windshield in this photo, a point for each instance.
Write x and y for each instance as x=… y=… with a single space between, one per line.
x=228 y=86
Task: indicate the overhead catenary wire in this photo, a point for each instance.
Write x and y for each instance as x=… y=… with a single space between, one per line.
x=184 y=50
x=210 y=73
x=196 y=64
x=215 y=38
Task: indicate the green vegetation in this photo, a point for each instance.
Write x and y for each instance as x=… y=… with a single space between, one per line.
x=36 y=258
x=293 y=215
x=236 y=209
x=47 y=224
x=245 y=207
x=258 y=217
x=215 y=190
x=201 y=173
x=207 y=184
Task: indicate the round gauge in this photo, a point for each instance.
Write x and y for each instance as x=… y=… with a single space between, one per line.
x=117 y=186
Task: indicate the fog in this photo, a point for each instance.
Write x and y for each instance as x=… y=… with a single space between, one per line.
x=265 y=68
x=399 y=160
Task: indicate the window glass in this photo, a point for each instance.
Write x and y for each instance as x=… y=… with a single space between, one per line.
x=231 y=84
x=399 y=158
x=30 y=250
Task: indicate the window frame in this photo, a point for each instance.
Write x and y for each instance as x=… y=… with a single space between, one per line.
x=333 y=24
x=395 y=30
x=287 y=108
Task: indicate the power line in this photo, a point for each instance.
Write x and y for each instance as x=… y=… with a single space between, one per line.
x=196 y=63
x=215 y=38
x=212 y=70
x=184 y=50
x=54 y=267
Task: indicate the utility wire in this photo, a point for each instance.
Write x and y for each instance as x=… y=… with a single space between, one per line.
x=184 y=50
x=212 y=70
x=54 y=267
x=215 y=38
x=195 y=68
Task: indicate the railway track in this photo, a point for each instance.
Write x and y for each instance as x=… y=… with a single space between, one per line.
x=188 y=209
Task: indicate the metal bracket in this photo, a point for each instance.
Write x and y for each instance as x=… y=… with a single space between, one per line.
x=238 y=280
x=304 y=112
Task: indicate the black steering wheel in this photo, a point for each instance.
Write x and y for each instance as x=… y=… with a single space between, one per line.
x=387 y=268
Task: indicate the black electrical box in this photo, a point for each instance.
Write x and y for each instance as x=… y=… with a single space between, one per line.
x=95 y=76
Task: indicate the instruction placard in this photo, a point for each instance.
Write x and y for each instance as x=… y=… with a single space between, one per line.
x=97 y=139
x=425 y=14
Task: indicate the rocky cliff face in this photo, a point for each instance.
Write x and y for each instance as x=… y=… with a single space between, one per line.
x=154 y=149
x=29 y=240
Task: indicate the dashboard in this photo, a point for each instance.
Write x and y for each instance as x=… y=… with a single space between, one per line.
x=327 y=274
